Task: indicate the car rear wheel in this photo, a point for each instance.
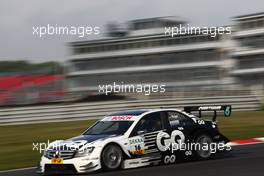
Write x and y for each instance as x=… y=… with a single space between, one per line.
x=112 y=157
x=204 y=149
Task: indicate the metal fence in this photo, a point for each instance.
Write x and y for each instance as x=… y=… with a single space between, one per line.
x=97 y=110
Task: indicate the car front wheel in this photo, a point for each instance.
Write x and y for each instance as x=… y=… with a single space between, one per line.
x=112 y=157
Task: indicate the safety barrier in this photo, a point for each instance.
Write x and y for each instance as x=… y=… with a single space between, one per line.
x=95 y=110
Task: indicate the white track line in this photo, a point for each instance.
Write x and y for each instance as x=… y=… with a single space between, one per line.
x=13 y=170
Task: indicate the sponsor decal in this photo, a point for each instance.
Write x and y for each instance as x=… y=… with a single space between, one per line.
x=137 y=146
x=201 y=122
x=56 y=161
x=169 y=159
x=121 y=118
x=138 y=152
x=205 y=108
x=227 y=111
x=165 y=141
x=136 y=141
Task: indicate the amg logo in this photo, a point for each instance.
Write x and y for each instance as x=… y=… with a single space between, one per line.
x=204 y=108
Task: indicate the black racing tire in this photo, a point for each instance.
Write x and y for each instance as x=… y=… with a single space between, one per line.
x=111 y=157
x=203 y=153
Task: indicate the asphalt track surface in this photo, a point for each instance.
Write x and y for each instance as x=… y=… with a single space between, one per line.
x=246 y=160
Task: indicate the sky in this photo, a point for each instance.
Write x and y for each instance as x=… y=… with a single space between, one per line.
x=17 y=19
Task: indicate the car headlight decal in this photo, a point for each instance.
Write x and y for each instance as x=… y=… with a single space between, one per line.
x=84 y=152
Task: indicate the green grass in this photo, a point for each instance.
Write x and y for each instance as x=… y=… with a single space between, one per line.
x=262 y=107
x=16 y=142
x=243 y=125
x=16 y=146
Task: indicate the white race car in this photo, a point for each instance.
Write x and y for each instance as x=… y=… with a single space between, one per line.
x=132 y=139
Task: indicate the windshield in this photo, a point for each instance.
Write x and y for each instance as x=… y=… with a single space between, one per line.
x=109 y=127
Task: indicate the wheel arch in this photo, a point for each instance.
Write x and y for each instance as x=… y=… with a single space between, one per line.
x=125 y=153
x=200 y=132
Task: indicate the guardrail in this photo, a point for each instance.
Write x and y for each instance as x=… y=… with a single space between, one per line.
x=96 y=110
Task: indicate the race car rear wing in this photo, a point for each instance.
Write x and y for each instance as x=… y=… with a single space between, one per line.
x=227 y=109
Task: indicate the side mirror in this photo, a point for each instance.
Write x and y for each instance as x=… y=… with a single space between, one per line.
x=140 y=132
